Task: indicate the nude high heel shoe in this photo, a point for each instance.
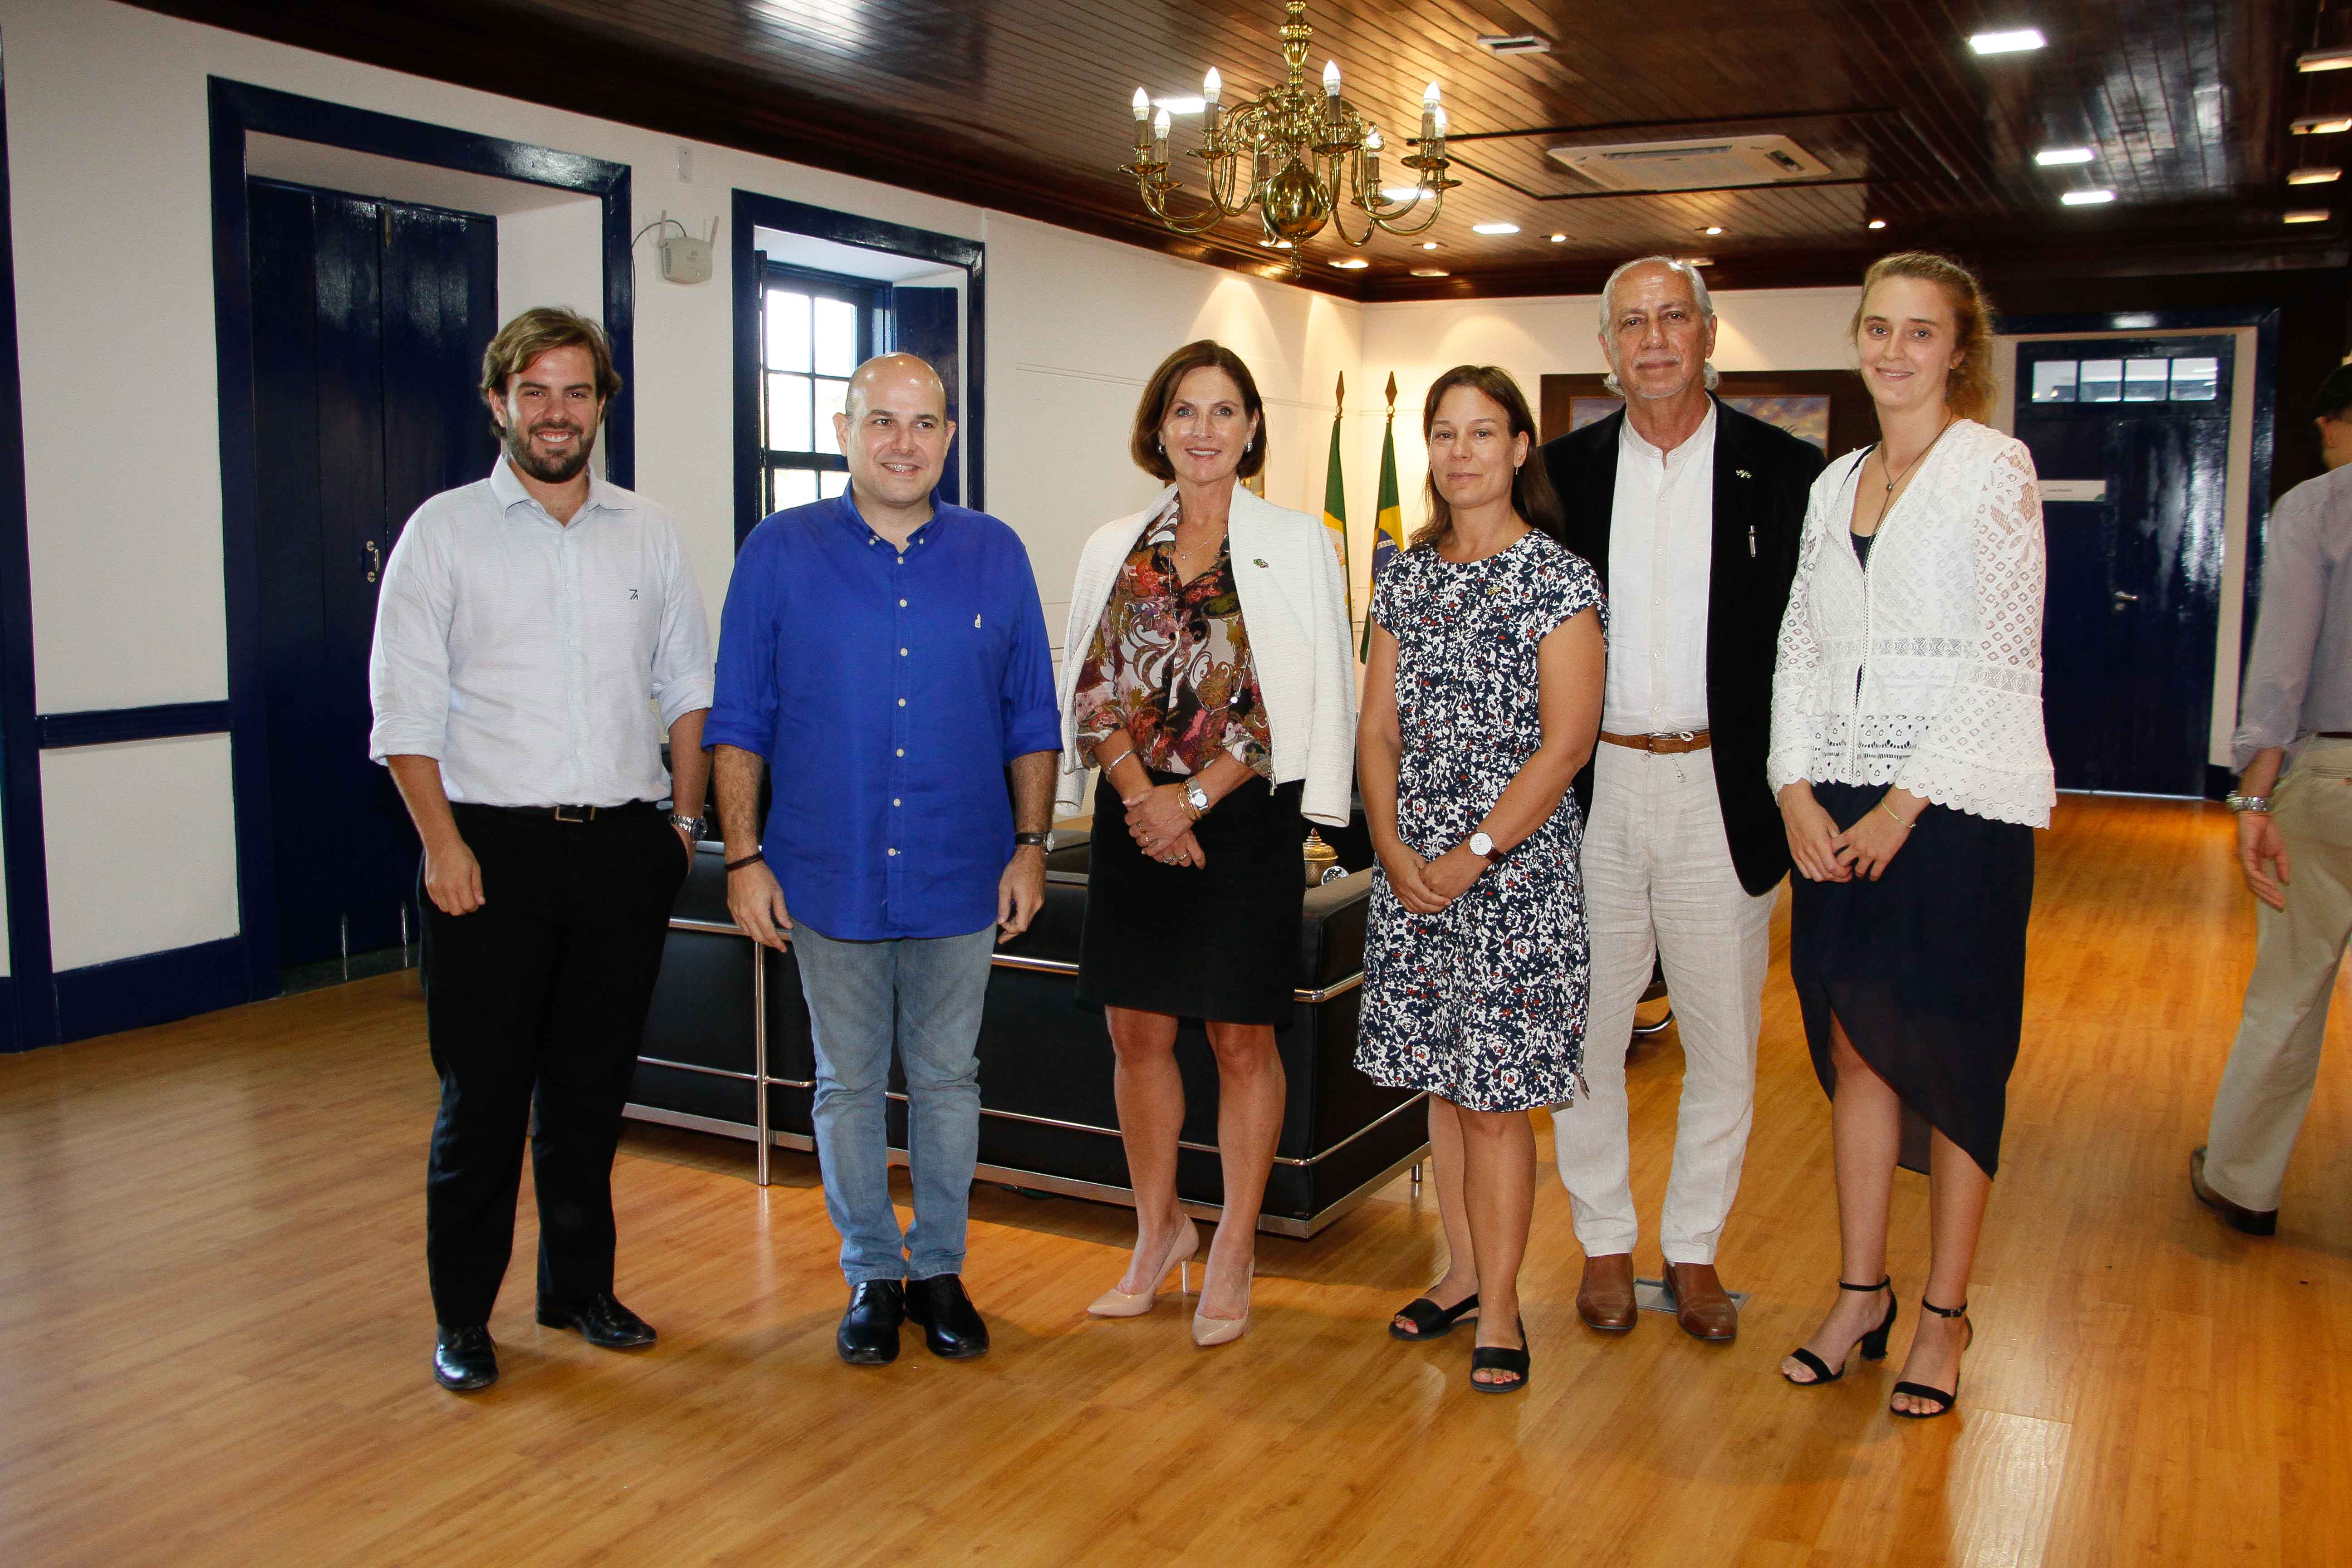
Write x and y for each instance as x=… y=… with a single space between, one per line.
x=1208 y=1331
x=1117 y=1303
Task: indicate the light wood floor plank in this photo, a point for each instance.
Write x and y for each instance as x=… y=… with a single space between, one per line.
x=213 y=1331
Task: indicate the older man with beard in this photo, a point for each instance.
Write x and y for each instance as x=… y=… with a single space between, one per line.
x=1691 y=512
x=531 y=626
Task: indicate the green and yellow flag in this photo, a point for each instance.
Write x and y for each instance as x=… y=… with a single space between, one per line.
x=1335 y=498
x=1388 y=528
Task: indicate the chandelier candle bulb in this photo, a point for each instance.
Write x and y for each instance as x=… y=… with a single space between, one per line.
x=1143 y=104
x=1213 y=87
x=1429 y=113
x=1331 y=78
x=1159 y=137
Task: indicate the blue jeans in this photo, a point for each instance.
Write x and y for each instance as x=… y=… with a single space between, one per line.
x=924 y=993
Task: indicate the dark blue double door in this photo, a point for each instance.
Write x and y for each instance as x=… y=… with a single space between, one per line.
x=2131 y=441
x=369 y=322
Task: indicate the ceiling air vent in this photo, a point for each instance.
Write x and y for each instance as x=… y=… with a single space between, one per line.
x=1692 y=165
x=1517 y=43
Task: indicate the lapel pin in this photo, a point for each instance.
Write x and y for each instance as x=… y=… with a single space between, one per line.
x=1257 y=560
x=1743 y=473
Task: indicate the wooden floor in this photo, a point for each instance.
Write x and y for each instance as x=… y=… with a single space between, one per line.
x=215 y=1331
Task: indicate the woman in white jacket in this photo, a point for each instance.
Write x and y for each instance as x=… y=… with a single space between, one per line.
x=1908 y=755
x=1206 y=673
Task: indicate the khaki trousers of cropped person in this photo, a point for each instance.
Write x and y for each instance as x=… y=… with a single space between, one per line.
x=1660 y=887
x=2275 y=1062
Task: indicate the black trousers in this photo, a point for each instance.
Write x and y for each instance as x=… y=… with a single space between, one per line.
x=537 y=1000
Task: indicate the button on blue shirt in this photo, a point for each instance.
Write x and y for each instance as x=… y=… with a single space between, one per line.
x=888 y=691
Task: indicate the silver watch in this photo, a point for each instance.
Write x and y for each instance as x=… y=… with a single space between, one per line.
x=1196 y=796
x=2259 y=805
x=694 y=826
x=1482 y=845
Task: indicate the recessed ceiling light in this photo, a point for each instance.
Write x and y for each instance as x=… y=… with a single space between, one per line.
x=2010 y=41
x=2307 y=214
x=1494 y=228
x=1352 y=264
x=1431 y=272
x=1878 y=223
x=2087 y=198
x=2315 y=174
x=2051 y=157
x=1712 y=228
x=1560 y=239
x=1180 y=105
x=2324 y=60
x=1696 y=260
x=1400 y=192
x=1275 y=244
x=1429 y=245
x=2319 y=124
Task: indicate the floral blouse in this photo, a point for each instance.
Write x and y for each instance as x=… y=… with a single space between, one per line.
x=1170 y=664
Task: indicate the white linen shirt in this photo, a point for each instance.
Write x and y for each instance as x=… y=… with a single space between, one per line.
x=529 y=656
x=1661 y=555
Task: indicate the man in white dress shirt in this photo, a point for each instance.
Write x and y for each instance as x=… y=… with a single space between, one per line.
x=1691 y=512
x=531 y=626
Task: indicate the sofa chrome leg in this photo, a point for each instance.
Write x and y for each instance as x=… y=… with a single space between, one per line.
x=1416 y=1176
x=759 y=1061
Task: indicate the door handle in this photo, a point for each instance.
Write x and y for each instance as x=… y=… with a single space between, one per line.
x=375 y=561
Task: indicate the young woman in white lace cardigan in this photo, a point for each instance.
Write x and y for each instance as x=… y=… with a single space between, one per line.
x=1908 y=755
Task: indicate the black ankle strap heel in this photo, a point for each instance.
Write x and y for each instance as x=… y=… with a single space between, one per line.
x=1873 y=1344
x=1944 y=1397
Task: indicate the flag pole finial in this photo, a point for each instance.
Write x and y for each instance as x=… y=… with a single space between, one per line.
x=1339 y=394
x=1391 y=395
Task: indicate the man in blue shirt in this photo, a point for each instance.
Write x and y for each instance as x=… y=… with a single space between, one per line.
x=885 y=657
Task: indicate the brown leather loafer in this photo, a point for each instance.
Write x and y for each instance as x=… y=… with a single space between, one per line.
x=2253 y=1222
x=1605 y=1300
x=1702 y=1306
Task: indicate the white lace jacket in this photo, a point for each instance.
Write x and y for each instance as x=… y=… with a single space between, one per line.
x=1925 y=672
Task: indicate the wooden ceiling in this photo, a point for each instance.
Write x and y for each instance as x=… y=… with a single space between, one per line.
x=1020 y=105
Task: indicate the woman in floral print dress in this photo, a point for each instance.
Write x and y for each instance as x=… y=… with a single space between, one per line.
x=1481 y=701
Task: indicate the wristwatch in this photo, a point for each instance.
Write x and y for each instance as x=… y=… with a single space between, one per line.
x=1482 y=844
x=693 y=826
x=2259 y=805
x=1197 y=798
x=1033 y=840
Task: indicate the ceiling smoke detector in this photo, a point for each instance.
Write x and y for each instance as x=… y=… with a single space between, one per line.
x=1515 y=42
x=1706 y=164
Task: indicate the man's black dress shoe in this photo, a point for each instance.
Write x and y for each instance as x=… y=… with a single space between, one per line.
x=465 y=1360
x=601 y=1321
x=868 y=1335
x=951 y=1327
x=2253 y=1222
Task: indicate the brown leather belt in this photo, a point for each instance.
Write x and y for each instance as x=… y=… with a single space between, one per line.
x=1666 y=745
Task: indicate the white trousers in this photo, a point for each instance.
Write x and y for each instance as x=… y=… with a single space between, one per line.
x=2275 y=1063
x=1659 y=885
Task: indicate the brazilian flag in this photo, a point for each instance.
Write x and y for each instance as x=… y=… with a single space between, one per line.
x=1335 y=499
x=1388 y=529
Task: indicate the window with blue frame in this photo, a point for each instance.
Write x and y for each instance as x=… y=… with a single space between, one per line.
x=815 y=328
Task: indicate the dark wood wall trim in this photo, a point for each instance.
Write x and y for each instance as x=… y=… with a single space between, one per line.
x=112 y=726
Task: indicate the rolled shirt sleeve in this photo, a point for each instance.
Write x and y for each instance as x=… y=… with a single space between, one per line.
x=408 y=658
x=2296 y=588
x=744 y=693
x=1032 y=721
x=682 y=680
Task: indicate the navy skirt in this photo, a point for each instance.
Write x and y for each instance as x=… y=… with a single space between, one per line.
x=1924 y=968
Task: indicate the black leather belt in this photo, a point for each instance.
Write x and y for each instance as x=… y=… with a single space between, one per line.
x=559 y=812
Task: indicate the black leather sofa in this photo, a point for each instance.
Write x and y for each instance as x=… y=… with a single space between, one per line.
x=728 y=1021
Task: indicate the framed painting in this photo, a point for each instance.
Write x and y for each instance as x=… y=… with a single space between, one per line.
x=1825 y=407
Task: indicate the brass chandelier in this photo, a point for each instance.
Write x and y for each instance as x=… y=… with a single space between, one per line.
x=1311 y=157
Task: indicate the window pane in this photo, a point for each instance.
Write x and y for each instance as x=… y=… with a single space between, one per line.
x=788 y=330
x=836 y=337
x=2102 y=381
x=791 y=487
x=2053 y=381
x=832 y=482
x=829 y=396
x=2196 y=380
x=788 y=414
x=2145 y=380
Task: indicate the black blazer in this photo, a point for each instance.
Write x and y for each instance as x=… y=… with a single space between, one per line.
x=1762 y=478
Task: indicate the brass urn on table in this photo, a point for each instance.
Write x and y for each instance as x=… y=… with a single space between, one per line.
x=1322 y=861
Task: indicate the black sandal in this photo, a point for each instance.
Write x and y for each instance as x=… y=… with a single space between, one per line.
x=1430 y=1321
x=1494 y=1358
x=1873 y=1344
x=1947 y=1398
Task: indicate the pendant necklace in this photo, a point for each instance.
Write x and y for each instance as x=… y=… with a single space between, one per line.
x=1884 y=468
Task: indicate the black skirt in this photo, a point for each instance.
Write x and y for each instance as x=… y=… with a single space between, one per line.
x=1218 y=943
x=1924 y=968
